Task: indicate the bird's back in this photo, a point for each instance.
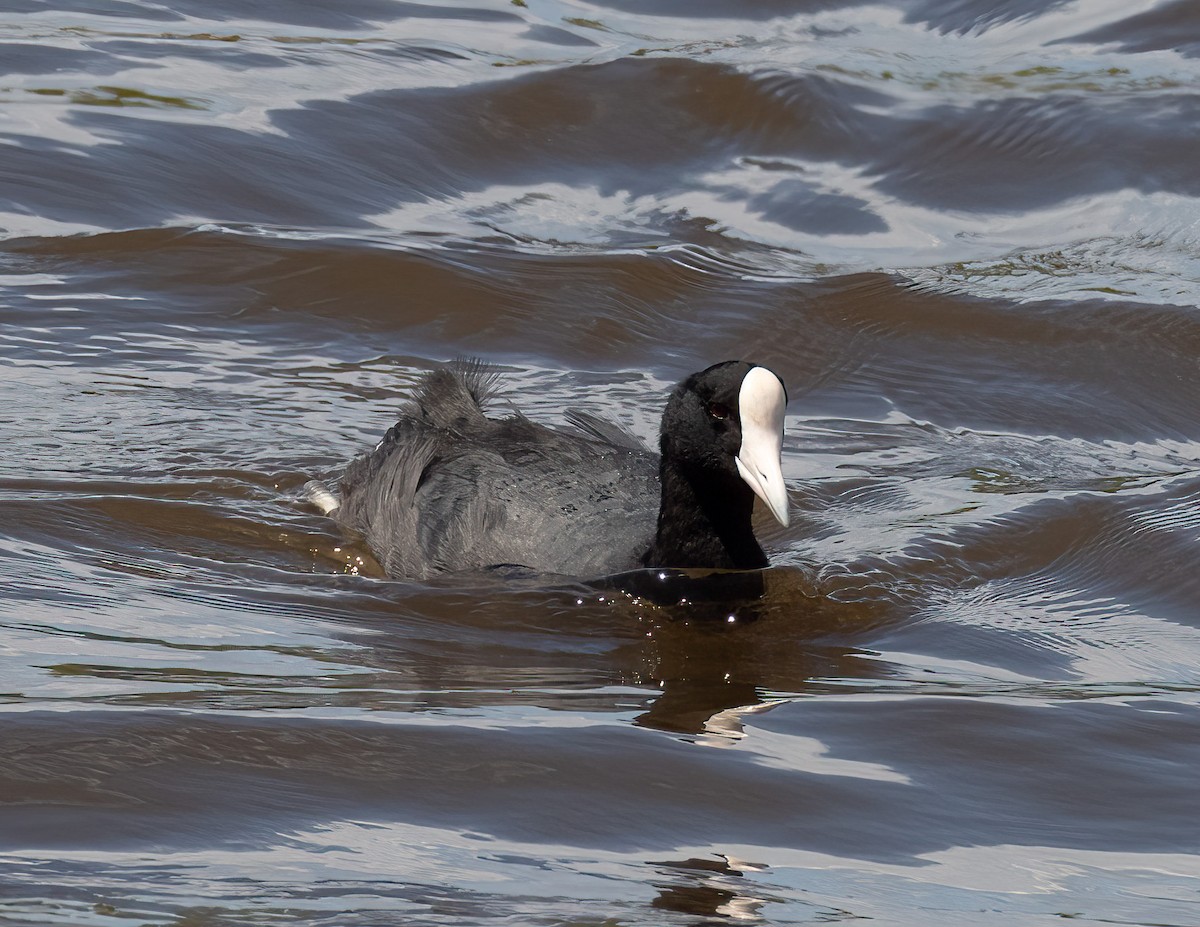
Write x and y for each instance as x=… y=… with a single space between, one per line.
x=449 y=489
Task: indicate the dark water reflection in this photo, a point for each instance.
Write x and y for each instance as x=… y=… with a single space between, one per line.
x=965 y=234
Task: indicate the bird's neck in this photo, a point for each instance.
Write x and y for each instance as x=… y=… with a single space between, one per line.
x=704 y=520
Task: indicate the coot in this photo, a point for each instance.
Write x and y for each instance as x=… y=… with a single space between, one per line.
x=451 y=489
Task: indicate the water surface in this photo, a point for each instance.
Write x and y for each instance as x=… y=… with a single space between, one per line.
x=231 y=238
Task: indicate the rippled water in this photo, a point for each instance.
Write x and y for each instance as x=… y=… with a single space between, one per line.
x=966 y=234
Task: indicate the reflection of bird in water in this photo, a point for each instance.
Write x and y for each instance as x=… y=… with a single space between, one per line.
x=708 y=888
x=449 y=489
x=784 y=639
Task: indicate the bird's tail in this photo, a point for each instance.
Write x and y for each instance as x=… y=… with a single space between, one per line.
x=321 y=496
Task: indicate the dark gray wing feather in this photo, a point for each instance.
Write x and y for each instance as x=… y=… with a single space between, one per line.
x=603 y=430
x=448 y=489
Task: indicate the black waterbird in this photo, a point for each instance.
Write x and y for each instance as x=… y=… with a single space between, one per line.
x=450 y=489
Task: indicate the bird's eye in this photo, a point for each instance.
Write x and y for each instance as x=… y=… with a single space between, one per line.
x=718 y=410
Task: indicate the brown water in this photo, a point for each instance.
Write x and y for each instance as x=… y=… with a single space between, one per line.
x=965 y=233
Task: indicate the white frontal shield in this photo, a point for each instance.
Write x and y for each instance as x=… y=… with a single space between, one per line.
x=761 y=402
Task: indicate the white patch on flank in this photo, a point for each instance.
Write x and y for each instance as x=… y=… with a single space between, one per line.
x=320 y=496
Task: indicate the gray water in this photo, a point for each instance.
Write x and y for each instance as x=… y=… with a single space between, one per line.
x=965 y=233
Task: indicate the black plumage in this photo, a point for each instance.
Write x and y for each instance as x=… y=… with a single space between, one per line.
x=451 y=489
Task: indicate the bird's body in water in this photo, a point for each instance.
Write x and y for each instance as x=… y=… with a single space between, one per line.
x=450 y=489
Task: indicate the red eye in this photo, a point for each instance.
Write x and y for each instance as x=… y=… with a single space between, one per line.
x=717 y=410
